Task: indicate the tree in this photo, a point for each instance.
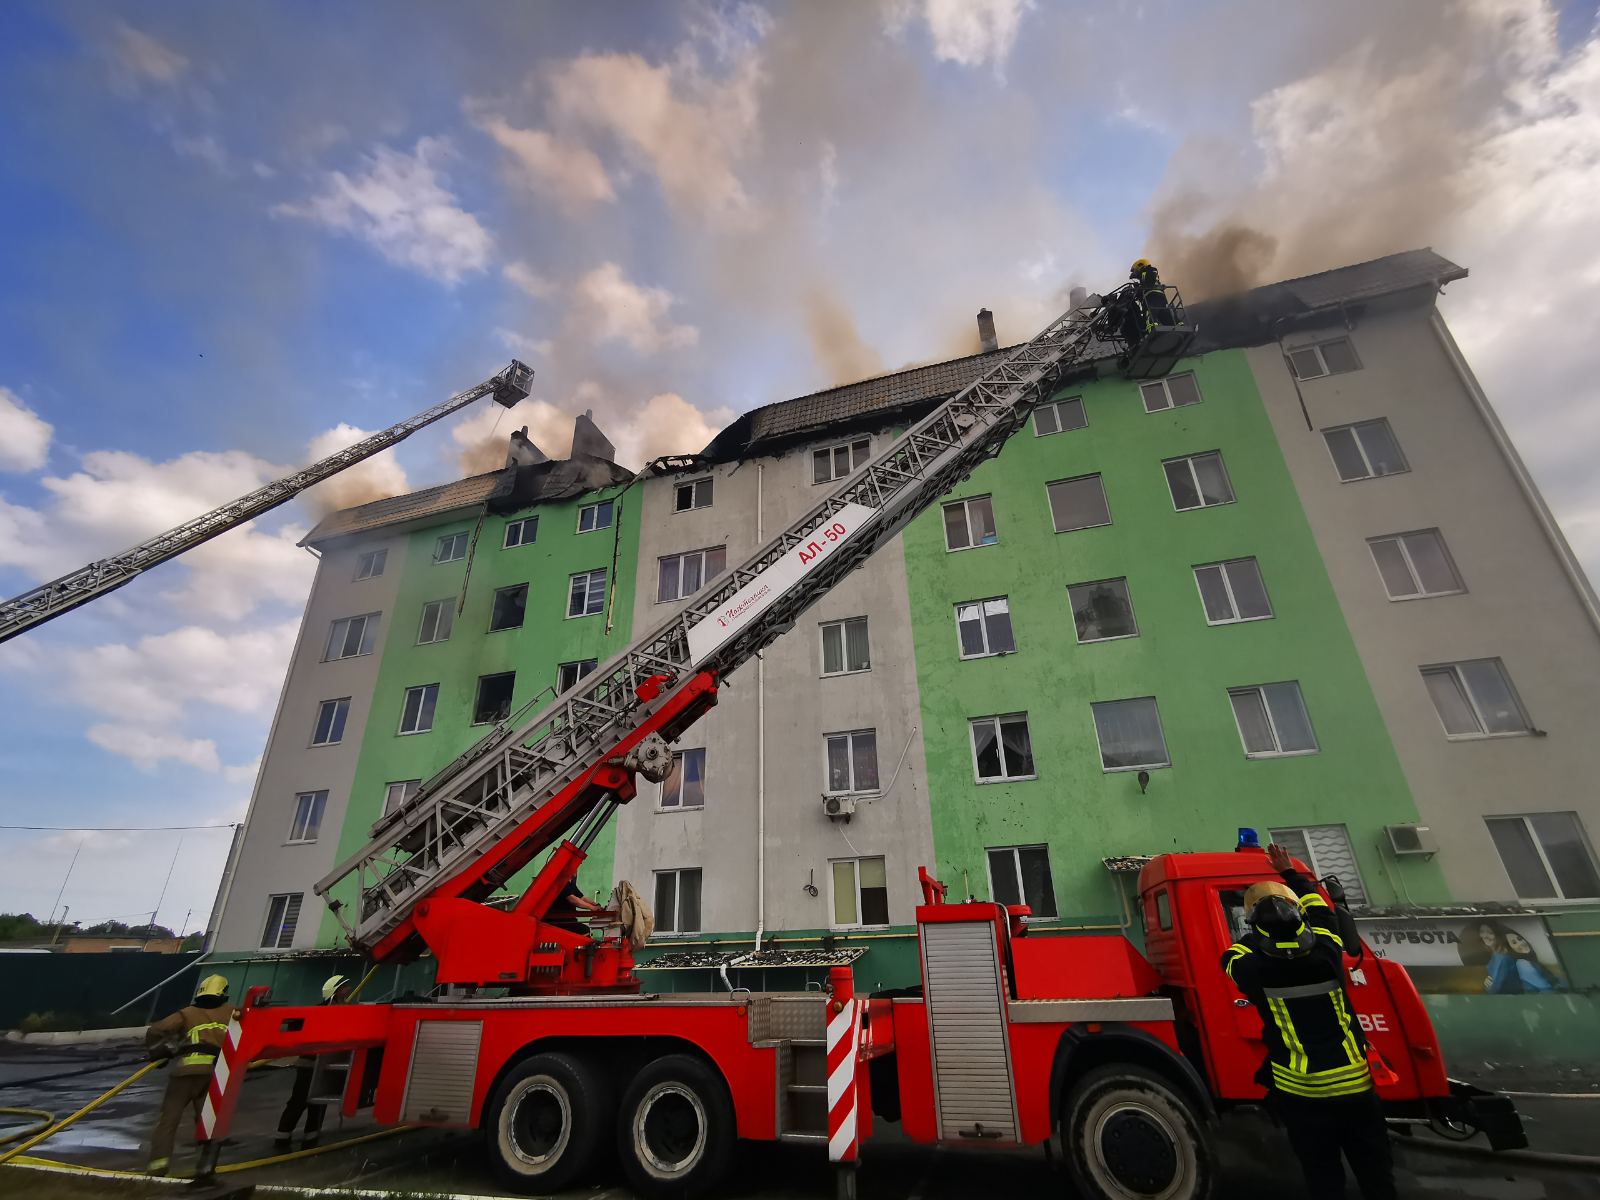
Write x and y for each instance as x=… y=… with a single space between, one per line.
x=16 y=927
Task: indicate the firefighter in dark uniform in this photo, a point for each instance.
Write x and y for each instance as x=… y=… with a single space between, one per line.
x=1152 y=296
x=1289 y=965
x=190 y=1039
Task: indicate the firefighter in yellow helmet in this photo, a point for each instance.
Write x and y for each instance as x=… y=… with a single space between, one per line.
x=1289 y=965
x=190 y=1039
x=1152 y=295
x=335 y=990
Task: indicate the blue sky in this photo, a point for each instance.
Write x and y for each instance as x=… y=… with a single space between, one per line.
x=238 y=234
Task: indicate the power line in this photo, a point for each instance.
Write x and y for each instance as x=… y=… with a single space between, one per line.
x=118 y=828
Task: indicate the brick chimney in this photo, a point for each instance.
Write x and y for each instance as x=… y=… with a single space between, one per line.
x=986 y=330
x=587 y=438
x=522 y=452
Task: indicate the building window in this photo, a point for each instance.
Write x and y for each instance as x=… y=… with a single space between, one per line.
x=569 y=673
x=331 y=714
x=1547 y=856
x=1232 y=591
x=586 y=595
x=969 y=523
x=307 y=821
x=283 y=914
x=1327 y=851
x=844 y=647
x=521 y=533
x=510 y=604
x=1475 y=699
x=1415 y=565
x=685 y=785
x=983 y=628
x=370 y=565
x=1059 y=416
x=396 y=794
x=695 y=494
x=1102 y=611
x=852 y=761
x=1365 y=450
x=437 y=618
x=417 y=714
x=595 y=516
x=1021 y=875
x=351 y=637
x=450 y=547
x=678 y=901
x=680 y=575
x=1325 y=358
x=1198 y=481
x=835 y=462
x=1129 y=733
x=494 y=698
x=1272 y=720
x=1078 y=503
x=1002 y=748
x=1174 y=391
x=860 y=893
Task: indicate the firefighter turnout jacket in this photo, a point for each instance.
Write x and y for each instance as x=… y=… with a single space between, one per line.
x=198 y=1033
x=1315 y=1047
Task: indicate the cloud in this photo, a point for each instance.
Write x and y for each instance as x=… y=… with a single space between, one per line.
x=146 y=748
x=968 y=32
x=609 y=307
x=24 y=435
x=666 y=424
x=528 y=280
x=375 y=478
x=146 y=58
x=568 y=172
x=521 y=345
x=401 y=205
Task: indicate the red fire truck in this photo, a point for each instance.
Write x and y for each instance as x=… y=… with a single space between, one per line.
x=544 y=1038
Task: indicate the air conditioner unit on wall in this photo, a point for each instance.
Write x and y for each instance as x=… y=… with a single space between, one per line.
x=1411 y=840
x=837 y=807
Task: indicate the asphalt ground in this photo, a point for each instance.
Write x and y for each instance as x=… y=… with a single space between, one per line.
x=1254 y=1161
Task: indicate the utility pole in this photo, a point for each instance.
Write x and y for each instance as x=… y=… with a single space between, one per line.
x=63 y=889
x=57 y=934
x=164 y=883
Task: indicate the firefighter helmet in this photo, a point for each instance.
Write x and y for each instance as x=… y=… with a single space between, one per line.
x=1139 y=264
x=332 y=984
x=212 y=985
x=1267 y=887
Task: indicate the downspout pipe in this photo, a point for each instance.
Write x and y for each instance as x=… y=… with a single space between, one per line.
x=761 y=749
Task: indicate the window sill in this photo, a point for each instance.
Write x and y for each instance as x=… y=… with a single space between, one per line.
x=1081 y=528
x=505 y=629
x=596 y=529
x=1105 y=770
x=581 y=616
x=1008 y=779
x=663 y=810
x=858 y=928
x=301 y=842
x=1203 y=507
x=958 y=549
x=837 y=674
x=412 y=732
x=1369 y=478
x=678 y=512
x=990 y=654
x=1121 y=637
x=1488 y=737
x=445 y=562
x=321 y=745
x=435 y=642
x=676 y=936
x=1427 y=596
x=1559 y=903
x=1239 y=620
x=348 y=657
x=1283 y=754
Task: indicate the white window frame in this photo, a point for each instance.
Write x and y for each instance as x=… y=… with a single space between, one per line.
x=1227 y=585
x=1099 y=748
x=1050 y=503
x=1561 y=898
x=678 y=757
x=294 y=901
x=446 y=616
x=1260 y=690
x=1054 y=407
x=477 y=694
x=1016 y=867
x=595 y=527
x=439 y=546
x=369 y=636
x=1194 y=477
x=855 y=875
x=1127 y=594
x=850 y=757
x=1405 y=553
x=693 y=485
x=522 y=527
x=1361 y=896
x=406 y=703
x=677 y=902
x=341 y=721
x=1355 y=428
x=705 y=576
x=966 y=517
x=1322 y=360
x=844 y=644
x=392 y=800
x=1000 y=745
x=306 y=806
x=983 y=615
x=1454 y=668
x=1166 y=393
x=588 y=584
x=370 y=563
x=863 y=445
x=579 y=673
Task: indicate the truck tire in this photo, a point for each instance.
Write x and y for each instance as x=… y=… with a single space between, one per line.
x=1128 y=1133
x=676 y=1128
x=546 y=1120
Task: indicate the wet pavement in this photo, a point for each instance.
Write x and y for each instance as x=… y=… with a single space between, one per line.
x=1253 y=1159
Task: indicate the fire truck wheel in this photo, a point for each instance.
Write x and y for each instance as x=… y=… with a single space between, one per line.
x=546 y=1120
x=1129 y=1134
x=676 y=1130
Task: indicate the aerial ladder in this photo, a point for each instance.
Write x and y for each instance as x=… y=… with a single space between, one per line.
x=49 y=600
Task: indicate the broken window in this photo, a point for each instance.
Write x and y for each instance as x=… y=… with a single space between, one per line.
x=695 y=494
x=494 y=698
x=510 y=603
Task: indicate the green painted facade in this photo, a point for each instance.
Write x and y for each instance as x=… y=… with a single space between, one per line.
x=1081 y=811
x=535 y=650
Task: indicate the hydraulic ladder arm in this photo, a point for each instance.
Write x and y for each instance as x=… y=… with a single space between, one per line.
x=50 y=600
x=519 y=790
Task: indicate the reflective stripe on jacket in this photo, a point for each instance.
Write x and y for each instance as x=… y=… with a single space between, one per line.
x=200 y=1033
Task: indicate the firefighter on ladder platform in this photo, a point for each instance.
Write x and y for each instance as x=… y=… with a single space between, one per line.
x=1318 y=1079
x=1152 y=295
x=190 y=1038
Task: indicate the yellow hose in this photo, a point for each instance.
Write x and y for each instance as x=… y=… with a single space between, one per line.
x=87 y=1108
x=44 y=1122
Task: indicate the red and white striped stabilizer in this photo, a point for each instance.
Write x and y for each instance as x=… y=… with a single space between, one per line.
x=844 y=1047
x=217 y=1090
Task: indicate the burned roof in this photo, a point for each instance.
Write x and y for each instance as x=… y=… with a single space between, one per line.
x=463 y=493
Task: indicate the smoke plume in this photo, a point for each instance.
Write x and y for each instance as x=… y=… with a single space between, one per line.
x=836 y=343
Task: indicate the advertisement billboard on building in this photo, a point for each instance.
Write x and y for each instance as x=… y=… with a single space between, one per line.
x=1494 y=955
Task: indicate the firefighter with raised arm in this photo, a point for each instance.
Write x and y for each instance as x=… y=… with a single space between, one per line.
x=190 y=1040
x=1289 y=964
